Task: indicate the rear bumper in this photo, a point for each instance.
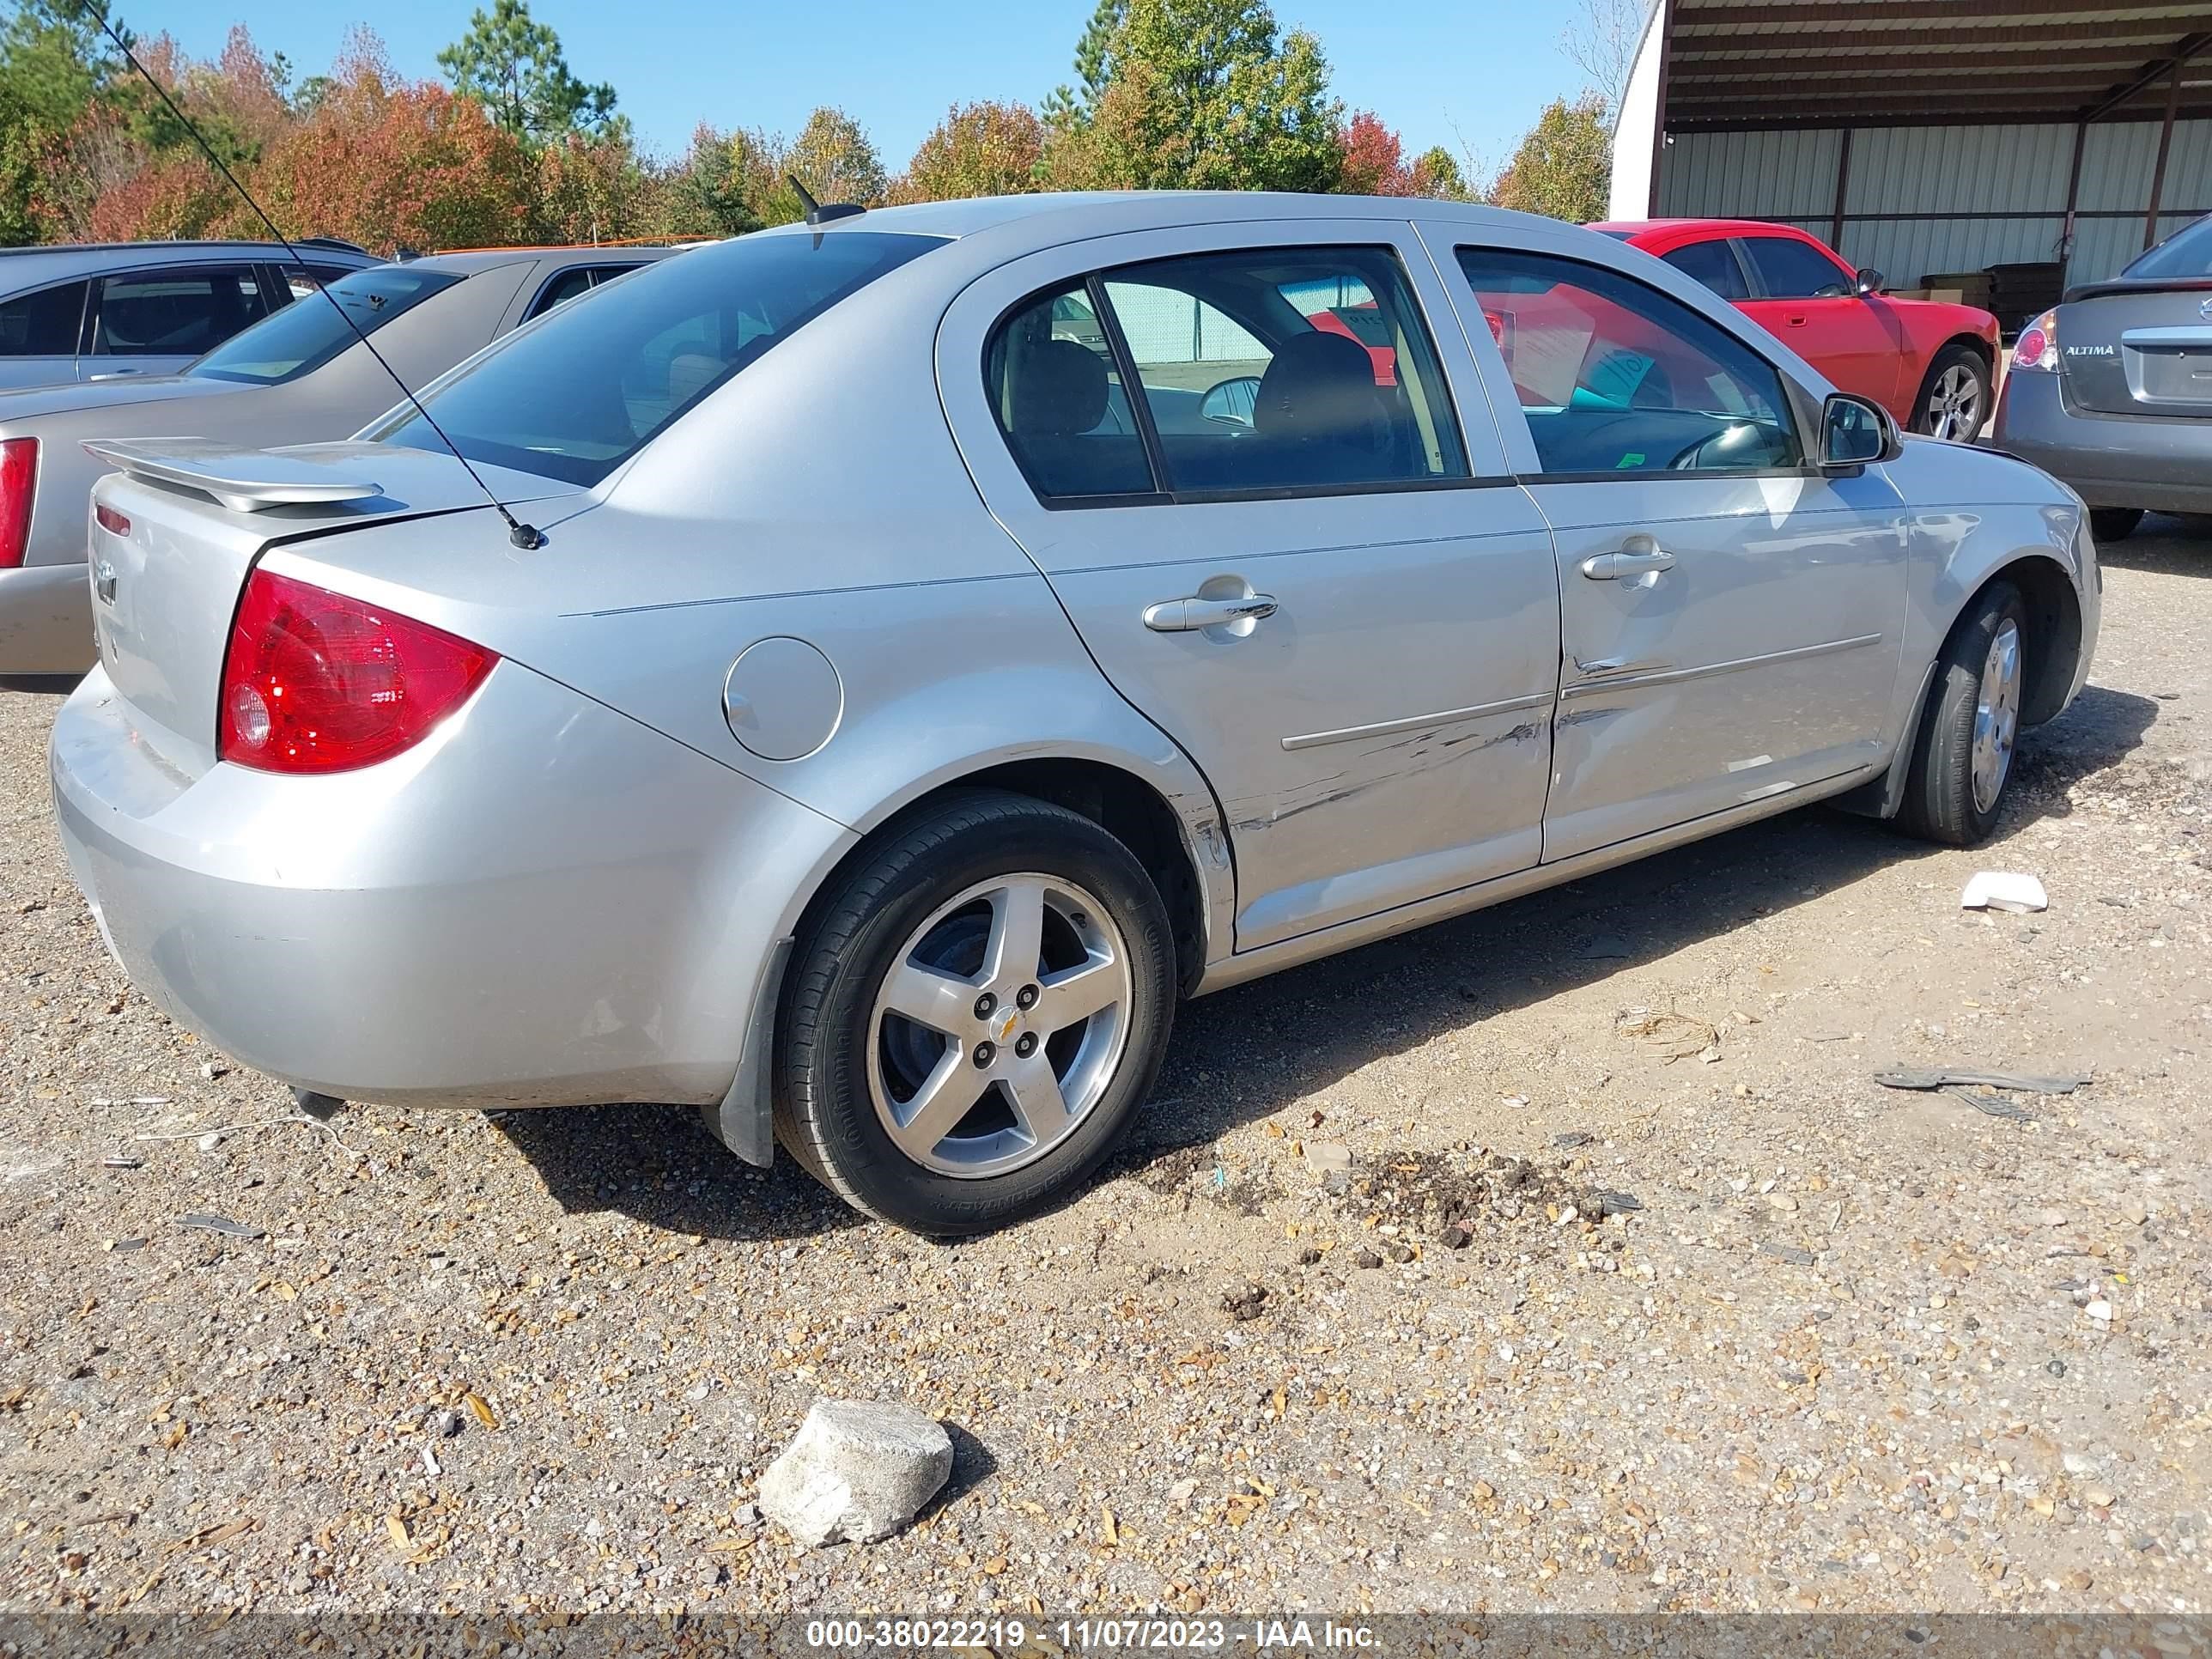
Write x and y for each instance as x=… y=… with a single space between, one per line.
x=543 y=904
x=45 y=620
x=2161 y=462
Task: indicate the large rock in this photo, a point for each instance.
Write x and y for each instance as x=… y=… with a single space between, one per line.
x=859 y=1470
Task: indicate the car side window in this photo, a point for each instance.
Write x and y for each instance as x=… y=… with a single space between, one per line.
x=1618 y=378
x=1286 y=369
x=180 y=312
x=1051 y=378
x=1788 y=270
x=1714 y=263
x=43 y=324
x=567 y=286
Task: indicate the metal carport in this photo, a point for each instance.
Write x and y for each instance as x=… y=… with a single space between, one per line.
x=1923 y=136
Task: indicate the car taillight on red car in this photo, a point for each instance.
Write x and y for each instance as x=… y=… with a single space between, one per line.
x=320 y=682
x=19 y=480
x=2036 y=347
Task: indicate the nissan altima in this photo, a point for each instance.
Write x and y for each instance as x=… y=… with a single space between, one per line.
x=863 y=674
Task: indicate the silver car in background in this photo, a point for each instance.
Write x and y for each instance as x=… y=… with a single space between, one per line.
x=94 y=311
x=2112 y=390
x=931 y=641
x=297 y=375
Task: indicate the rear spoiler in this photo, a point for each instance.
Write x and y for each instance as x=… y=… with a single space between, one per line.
x=244 y=480
x=2139 y=285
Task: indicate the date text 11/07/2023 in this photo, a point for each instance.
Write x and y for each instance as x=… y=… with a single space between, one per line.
x=1287 y=1635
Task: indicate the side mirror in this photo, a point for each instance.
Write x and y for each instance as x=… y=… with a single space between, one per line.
x=1855 y=433
x=1870 y=283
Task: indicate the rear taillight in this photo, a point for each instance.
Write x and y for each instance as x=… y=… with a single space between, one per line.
x=109 y=519
x=19 y=480
x=317 y=682
x=2037 y=349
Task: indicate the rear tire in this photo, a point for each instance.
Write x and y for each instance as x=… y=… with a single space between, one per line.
x=2114 y=524
x=975 y=1013
x=1954 y=399
x=1962 y=759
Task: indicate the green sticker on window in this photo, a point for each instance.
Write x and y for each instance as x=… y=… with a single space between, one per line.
x=1631 y=459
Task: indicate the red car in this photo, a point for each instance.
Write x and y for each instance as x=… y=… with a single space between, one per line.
x=1930 y=365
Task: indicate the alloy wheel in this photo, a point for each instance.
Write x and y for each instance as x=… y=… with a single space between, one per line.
x=1954 y=405
x=999 y=1025
x=1996 y=717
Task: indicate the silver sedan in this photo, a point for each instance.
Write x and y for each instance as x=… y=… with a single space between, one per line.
x=909 y=652
x=298 y=375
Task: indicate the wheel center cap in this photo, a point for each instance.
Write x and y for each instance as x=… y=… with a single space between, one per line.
x=1003 y=1026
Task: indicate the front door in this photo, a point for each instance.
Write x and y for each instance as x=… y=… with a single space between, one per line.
x=1271 y=500
x=1812 y=305
x=1732 y=618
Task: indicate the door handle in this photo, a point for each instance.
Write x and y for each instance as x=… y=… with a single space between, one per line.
x=1796 y=322
x=1187 y=616
x=1613 y=567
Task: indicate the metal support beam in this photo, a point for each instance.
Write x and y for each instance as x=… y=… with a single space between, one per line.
x=2073 y=198
x=1665 y=24
x=2184 y=49
x=2165 y=148
x=1843 y=185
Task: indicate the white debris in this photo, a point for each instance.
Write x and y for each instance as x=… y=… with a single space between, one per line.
x=859 y=1470
x=2004 y=889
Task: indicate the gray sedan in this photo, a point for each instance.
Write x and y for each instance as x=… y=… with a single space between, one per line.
x=2113 y=390
x=298 y=375
x=887 y=676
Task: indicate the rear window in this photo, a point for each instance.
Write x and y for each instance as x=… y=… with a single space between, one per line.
x=2187 y=252
x=581 y=389
x=307 y=333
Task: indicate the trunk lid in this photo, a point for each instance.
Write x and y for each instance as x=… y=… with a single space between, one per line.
x=199 y=514
x=2139 y=348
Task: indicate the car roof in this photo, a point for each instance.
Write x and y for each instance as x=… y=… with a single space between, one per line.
x=23 y=267
x=1063 y=215
x=1691 y=229
x=467 y=261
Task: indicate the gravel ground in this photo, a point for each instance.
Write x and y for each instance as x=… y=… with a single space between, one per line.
x=1338 y=1334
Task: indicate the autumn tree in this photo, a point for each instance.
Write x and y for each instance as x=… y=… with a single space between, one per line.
x=977 y=149
x=1371 y=162
x=1203 y=94
x=1564 y=164
x=514 y=65
x=1436 y=173
x=835 y=161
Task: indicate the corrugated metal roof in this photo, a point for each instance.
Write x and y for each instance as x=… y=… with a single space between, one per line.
x=1752 y=63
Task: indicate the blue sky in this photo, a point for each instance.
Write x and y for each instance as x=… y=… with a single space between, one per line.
x=1441 y=71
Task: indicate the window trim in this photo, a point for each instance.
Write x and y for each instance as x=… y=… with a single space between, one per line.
x=1092 y=283
x=1793 y=394
x=599 y=274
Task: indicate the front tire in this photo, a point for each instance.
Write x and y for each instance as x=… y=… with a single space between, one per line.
x=975 y=1012
x=1954 y=399
x=2114 y=524
x=1962 y=759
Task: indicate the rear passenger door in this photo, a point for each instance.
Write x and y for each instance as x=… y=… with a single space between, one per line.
x=1270 y=496
x=154 y=322
x=1733 y=617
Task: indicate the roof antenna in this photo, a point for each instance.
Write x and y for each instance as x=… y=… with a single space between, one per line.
x=522 y=535
x=817 y=214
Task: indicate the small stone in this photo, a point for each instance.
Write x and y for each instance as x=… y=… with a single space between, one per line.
x=1245 y=1302
x=211 y=1071
x=2076 y=1463
x=2098 y=1498
x=1309 y=1256
x=445 y=1424
x=858 y=1470
x=1481 y=1492
x=1782 y=1201
x=2078 y=1581
x=210 y=1142
x=1329 y=1157
x=746 y=1515
x=1180 y=1494
x=2135 y=1211
x=2056 y=1368
x=2100 y=1310
x=1367 y=1259
x=2055 y=1217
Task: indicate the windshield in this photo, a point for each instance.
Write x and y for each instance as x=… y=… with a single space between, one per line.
x=581 y=389
x=309 y=332
x=2187 y=252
